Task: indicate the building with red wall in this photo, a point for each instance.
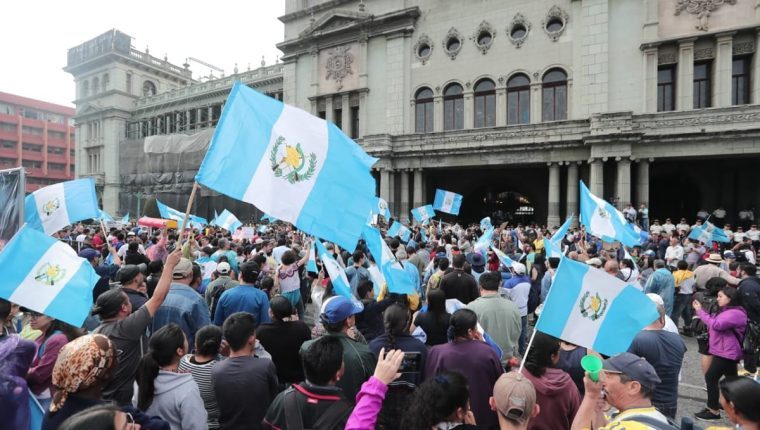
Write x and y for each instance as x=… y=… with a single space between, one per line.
x=38 y=136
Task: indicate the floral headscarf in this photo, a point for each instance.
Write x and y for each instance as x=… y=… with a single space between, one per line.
x=81 y=364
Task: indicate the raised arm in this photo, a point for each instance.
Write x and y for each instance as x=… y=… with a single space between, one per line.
x=162 y=288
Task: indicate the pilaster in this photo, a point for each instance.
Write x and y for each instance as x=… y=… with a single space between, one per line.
x=685 y=80
x=723 y=69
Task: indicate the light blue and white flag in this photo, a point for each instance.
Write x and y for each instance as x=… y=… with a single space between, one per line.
x=393 y=274
x=423 y=236
x=708 y=233
x=216 y=215
x=337 y=275
x=269 y=218
x=400 y=230
x=263 y=229
x=171 y=213
x=311 y=262
x=484 y=241
x=291 y=165
x=590 y=308
x=423 y=213
x=52 y=208
x=485 y=223
x=45 y=275
x=448 y=202
x=227 y=221
x=125 y=219
x=104 y=216
x=503 y=258
x=381 y=208
x=604 y=221
x=555 y=243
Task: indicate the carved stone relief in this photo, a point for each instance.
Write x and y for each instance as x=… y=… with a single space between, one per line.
x=743 y=48
x=667 y=58
x=702 y=9
x=423 y=49
x=554 y=14
x=483 y=36
x=518 y=22
x=339 y=65
x=452 y=43
x=704 y=54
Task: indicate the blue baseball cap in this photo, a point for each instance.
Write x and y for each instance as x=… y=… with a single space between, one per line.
x=89 y=254
x=634 y=367
x=339 y=308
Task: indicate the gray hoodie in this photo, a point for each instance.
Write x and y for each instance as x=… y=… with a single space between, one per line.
x=177 y=401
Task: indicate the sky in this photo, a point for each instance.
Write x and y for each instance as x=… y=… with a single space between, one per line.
x=36 y=35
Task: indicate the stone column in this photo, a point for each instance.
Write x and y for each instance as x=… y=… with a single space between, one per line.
x=198 y=122
x=418 y=197
x=572 y=190
x=723 y=68
x=685 y=79
x=345 y=111
x=404 y=215
x=535 y=103
x=642 y=182
x=385 y=184
x=469 y=109
x=362 y=114
x=623 y=181
x=596 y=177
x=501 y=105
x=438 y=113
x=392 y=204
x=552 y=218
x=329 y=109
x=650 y=79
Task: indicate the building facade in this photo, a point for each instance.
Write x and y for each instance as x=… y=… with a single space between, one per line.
x=511 y=103
x=38 y=136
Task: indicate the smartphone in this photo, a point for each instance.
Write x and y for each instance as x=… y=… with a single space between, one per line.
x=412 y=363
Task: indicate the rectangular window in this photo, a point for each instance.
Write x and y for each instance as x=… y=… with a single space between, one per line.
x=423 y=117
x=56 y=166
x=338 y=118
x=7 y=126
x=518 y=106
x=31 y=130
x=740 y=73
x=702 y=90
x=31 y=164
x=322 y=114
x=454 y=114
x=55 y=150
x=7 y=144
x=354 y=122
x=485 y=108
x=56 y=135
x=31 y=147
x=666 y=94
x=129 y=82
x=7 y=109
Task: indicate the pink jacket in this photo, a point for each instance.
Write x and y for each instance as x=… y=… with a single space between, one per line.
x=369 y=401
x=726 y=329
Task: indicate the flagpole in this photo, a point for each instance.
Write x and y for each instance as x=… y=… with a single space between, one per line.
x=187 y=213
x=527 y=350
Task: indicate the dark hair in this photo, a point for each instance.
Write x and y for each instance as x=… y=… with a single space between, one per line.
x=99 y=417
x=197 y=273
x=322 y=360
x=732 y=294
x=250 y=272
x=554 y=262
x=155 y=266
x=713 y=285
x=437 y=302
x=208 y=339
x=5 y=310
x=109 y=303
x=267 y=283
x=259 y=259
x=443 y=264
x=357 y=255
x=458 y=261
x=282 y=241
x=540 y=355
x=435 y=400
x=742 y=392
x=682 y=265
x=237 y=328
x=490 y=281
x=364 y=287
x=396 y=319
x=749 y=269
x=288 y=257
x=133 y=246
x=162 y=351
x=461 y=322
x=281 y=307
x=68 y=330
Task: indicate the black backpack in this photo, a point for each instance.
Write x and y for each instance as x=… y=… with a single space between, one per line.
x=336 y=414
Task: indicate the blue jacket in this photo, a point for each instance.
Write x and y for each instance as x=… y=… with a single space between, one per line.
x=517 y=279
x=661 y=282
x=243 y=298
x=185 y=307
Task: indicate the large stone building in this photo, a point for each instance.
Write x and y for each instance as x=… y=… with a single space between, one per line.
x=506 y=102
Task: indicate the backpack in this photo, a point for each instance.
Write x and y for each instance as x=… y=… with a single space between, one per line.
x=335 y=414
x=215 y=299
x=751 y=344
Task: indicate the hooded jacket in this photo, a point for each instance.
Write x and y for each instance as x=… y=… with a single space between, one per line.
x=177 y=400
x=558 y=398
x=726 y=329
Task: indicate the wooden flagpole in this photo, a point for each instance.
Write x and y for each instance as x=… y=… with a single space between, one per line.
x=187 y=213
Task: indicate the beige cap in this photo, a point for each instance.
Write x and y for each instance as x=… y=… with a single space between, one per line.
x=514 y=396
x=183 y=269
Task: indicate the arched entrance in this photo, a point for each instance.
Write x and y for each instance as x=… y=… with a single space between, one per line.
x=500 y=203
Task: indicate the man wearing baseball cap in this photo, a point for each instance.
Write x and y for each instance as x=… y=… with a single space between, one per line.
x=628 y=382
x=514 y=401
x=338 y=315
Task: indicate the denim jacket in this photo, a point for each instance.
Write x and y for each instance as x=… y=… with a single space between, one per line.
x=185 y=307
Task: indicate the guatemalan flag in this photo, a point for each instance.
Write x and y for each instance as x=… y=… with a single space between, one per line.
x=52 y=208
x=125 y=219
x=311 y=262
x=484 y=242
x=503 y=258
x=391 y=272
x=400 y=230
x=45 y=275
x=227 y=221
x=446 y=201
x=291 y=165
x=337 y=275
x=606 y=222
x=555 y=243
x=171 y=213
x=381 y=208
x=423 y=213
x=590 y=308
x=104 y=216
x=708 y=233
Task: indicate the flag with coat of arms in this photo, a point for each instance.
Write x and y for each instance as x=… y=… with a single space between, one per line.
x=590 y=308
x=227 y=220
x=46 y=276
x=167 y=212
x=390 y=270
x=423 y=213
x=292 y=165
x=400 y=230
x=448 y=202
x=52 y=208
x=604 y=221
x=708 y=233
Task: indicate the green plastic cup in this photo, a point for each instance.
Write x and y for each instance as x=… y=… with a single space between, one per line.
x=593 y=365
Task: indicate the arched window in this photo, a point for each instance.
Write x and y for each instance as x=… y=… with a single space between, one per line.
x=554 y=95
x=518 y=100
x=423 y=111
x=106 y=81
x=85 y=88
x=95 y=85
x=453 y=107
x=149 y=89
x=485 y=103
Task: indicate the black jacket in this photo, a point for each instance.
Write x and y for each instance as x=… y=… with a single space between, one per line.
x=749 y=297
x=313 y=401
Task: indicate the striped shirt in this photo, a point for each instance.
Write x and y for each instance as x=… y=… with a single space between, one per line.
x=201 y=373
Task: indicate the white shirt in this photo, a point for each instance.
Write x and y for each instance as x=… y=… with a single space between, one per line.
x=668 y=227
x=739 y=236
x=673 y=255
x=123 y=250
x=754 y=234
x=683 y=227
x=729 y=234
x=277 y=253
x=655 y=229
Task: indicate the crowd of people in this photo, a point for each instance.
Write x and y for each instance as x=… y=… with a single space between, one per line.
x=216 y=331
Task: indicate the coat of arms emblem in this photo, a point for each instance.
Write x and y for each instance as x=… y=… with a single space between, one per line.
x=51 y=206
x=339 y=64
x=290 y=162
x=49 y=274
x=592 y=307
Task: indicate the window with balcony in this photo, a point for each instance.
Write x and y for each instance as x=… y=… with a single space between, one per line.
x=518 y=99
x=423 y=111
x=485 y=103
